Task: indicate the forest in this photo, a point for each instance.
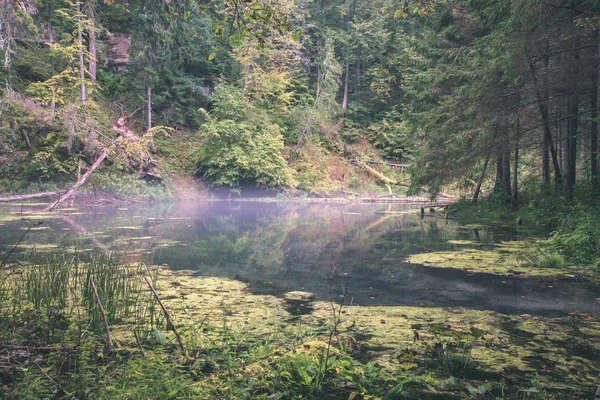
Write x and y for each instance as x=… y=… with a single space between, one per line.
x=298 y=96
x=281 y=199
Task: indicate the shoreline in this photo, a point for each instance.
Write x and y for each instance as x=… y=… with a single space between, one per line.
x=110 y=200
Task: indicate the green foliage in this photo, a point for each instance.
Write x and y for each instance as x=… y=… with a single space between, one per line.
x=392 y=136
x=52 y=306
x=578 y=237
x=150 y=377
x=453 y=347
x=113 y=85
x=241 y=145
x=168 y=54
x=549 y=260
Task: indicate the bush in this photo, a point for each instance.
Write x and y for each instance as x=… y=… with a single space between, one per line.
x=578 y=237
x=241 y=144
x=549 y=260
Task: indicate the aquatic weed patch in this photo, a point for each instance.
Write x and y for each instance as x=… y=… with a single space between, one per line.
x=556 y=356
x=246 y=345
x=505 y=258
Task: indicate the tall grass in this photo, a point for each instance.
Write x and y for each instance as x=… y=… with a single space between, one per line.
x=61 y=283
x=117 y=289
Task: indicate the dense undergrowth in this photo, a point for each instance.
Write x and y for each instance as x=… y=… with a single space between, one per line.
x=235 y=344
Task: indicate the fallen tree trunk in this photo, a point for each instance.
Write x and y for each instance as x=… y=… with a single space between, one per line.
x=378 y=174
x=30 y=196
x=73 y=189
x=395 y=165
x=146 y=165
x=387 y=181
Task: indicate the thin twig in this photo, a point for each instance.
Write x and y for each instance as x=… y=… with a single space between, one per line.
x=168 y=316
x=101 y=312
x=139 y=343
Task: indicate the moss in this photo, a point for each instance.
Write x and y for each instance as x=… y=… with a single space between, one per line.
x=502 y=353
x=506 y=258
x=224 y=323
x=558 y=353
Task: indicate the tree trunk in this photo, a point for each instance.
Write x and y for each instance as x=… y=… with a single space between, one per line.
x=515 y=190
x=52 y=63
x=92 y=39
x=594 y=127
x=347 y=69
x=8 y=41
x=149 y=106
x=79 y=183
x=481 y=178
x=547 y=138
x=81 y=57
x=571 y=174
x=506 y=170
x=545 y=161
x=499 y=173
x=346 y=86
x=559 y=133
x=26 y=137
x=357 y=69
x=30 y=196
x=247 y=77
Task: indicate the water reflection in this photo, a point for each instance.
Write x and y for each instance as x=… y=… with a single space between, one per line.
x=283 y=246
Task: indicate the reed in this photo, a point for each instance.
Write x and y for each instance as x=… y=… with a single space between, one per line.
x=61 y=283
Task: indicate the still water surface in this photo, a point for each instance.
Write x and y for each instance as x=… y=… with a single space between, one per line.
x=277 y=247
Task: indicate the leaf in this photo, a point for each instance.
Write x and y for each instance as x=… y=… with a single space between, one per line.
x=212 y=56
x=477 y=333
x=471 y=389
x=275 y=396
x=297 y=34
x=398 y=388
x=159 y=336
x=352 y=395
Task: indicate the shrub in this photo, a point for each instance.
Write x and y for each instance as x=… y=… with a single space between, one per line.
x=578 y=237
x=241 y=144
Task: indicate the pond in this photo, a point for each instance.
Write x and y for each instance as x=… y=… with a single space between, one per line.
x=379 y=254
x=410 y=283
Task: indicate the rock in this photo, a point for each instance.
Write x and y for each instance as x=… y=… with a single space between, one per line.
x=298 y=302
x=118 y=51
x=299 y=296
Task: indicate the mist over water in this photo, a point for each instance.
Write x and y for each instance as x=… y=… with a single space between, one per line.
x=277 y=247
